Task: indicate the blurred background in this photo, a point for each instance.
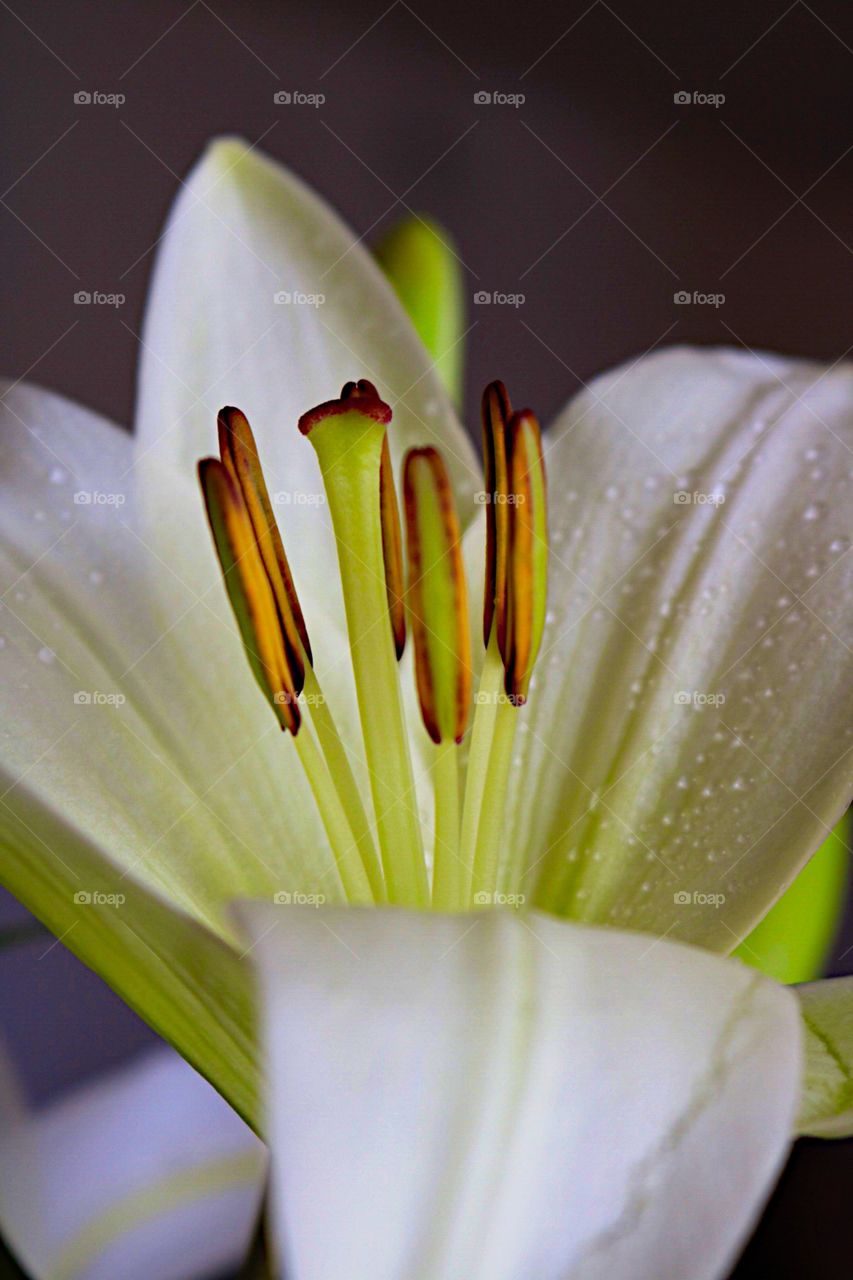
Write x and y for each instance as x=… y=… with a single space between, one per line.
x=593 y=161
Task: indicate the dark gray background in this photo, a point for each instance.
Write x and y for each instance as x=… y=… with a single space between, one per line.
x=598 y=199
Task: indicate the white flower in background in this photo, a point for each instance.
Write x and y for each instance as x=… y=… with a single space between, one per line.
x=460 y=1086
x=143 y=1172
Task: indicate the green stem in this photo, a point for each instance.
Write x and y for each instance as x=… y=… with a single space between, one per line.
x=450 y=878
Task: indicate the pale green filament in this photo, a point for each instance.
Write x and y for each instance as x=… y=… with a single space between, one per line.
x=488 y=700
x=450 y=876
x=341 y=839
x=490 y=832
x=340 y=771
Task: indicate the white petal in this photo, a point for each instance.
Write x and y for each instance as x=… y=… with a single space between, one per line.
x=146 y=1172
x=498 y=1096
x=690 y=729
x=243 y=230
x=138 y=758
x=827 y=1107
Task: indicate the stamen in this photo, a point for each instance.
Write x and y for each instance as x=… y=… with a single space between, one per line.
x=527 y=578
x=438 y=607
x=437 y=596
x=265 y=604
x=250 y=593
x=392 y=550
x=239 y=454
x=513 y=621
x=349 y=435
x=496 y=412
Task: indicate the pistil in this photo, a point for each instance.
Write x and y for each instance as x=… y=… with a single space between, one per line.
x=349 y=436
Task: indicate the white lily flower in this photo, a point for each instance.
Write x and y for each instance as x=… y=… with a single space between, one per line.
x=454 y=1091
x=144 y=1172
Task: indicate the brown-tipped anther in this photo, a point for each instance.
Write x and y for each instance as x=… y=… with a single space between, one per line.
x=249 y=590
x=437 y=596
x=239 y=454
x=496 y=412
x=527 y=553
x=392 y=550
x=360 y=396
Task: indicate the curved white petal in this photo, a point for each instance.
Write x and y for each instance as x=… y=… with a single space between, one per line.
x=827 y=1106
x=137 y=757
x=690 y=732
x=498 y=1096
x=146 y=1172
x=244 y=232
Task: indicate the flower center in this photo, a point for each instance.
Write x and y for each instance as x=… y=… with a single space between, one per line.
x=378 y=844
